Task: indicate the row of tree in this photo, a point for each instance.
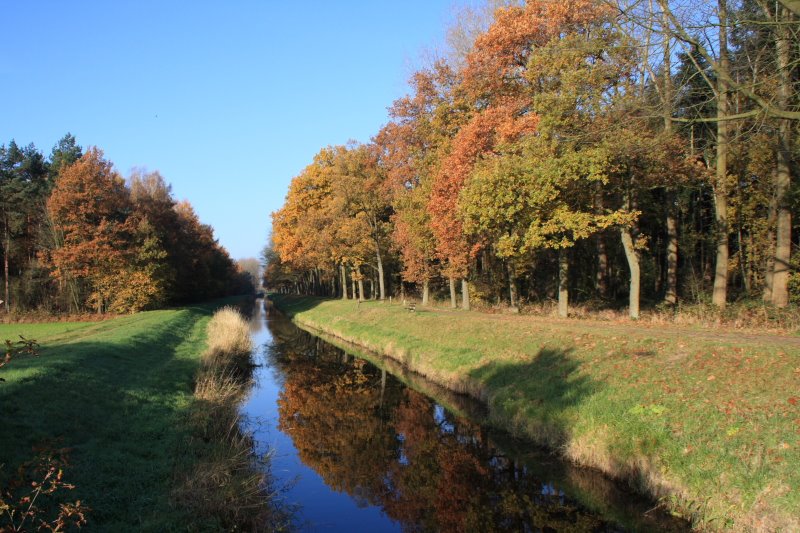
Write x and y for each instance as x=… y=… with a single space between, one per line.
x=601 y=149
x=77 y=236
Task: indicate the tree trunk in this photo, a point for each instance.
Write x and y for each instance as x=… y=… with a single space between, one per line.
x=563 y=283
x=720 y=293
x=343 y=274
x=769 y=267
x=671 y=289
x=6 y=249
x=602 y=266
x=512 y=286
x=783 y=231
x=464 y=295
x=425 y=291
x=361 y=290
x=381 y=283
x=453 y=302
x=633 y=264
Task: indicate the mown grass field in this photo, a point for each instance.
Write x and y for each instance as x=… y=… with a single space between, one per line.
x=708 y=420
x=112 y=394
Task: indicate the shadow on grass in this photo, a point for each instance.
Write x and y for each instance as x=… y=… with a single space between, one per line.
x=536 y=398
x=290 y=304
x=542 y=399
x=115 y=400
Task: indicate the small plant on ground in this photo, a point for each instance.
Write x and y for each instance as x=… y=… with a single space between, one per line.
x=31 y=499
x=21 y=347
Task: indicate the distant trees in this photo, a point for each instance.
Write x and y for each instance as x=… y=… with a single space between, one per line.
x=76 y=236
x=599 y=150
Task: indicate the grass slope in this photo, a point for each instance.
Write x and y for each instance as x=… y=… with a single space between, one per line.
x=709 y=421
x=113 y=393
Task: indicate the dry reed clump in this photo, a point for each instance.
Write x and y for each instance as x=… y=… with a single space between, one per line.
x=217 y=394
x=226 y=487
x=229 y=342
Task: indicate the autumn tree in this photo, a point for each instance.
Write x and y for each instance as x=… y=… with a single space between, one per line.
x=748 y=65
x=411 y=145
x=89 y=207
x=558 y=126
x=360 y=188
x=250 y=268
x=304 y=228
x=205 y=269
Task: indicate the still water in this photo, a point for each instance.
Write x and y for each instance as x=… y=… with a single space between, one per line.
x=358 y=449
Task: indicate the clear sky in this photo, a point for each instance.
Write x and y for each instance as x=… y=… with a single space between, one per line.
x=227 y=99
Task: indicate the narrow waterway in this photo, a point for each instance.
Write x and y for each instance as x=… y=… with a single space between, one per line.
x=358 y=449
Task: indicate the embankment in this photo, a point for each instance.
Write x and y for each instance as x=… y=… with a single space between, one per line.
x=140 y=413
x=705 y=420
x=110 y=398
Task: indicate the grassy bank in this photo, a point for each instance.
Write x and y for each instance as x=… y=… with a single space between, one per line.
x=705 y=419
x=110 y=399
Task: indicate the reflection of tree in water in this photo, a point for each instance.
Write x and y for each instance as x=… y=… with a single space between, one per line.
x=388 y=445
x=331 y=407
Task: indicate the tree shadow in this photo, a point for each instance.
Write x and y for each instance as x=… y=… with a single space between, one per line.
x=290 y=304
x=116 y=403
x=537 y=398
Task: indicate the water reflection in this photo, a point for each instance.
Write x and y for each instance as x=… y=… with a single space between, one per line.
x=390 y=447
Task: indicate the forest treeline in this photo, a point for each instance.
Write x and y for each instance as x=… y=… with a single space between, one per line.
x=76 y=236
x=575 y=149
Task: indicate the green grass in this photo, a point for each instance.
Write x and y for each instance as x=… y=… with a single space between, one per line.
x=113 y=393
x=707 y=420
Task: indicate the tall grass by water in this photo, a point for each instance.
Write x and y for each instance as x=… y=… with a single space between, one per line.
x=222 y=484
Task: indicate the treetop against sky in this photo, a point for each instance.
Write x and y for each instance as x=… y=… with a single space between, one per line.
x=228 y=101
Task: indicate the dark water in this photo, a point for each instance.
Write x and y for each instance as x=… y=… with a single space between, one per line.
x=359 y=450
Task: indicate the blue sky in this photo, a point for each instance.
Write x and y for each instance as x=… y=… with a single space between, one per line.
x=228 y=100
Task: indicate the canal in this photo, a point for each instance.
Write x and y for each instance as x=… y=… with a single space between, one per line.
x=355 y=447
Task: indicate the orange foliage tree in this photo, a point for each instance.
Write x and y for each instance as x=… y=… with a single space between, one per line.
x=543 y=142
x=89 y=208
x=410 y=146
x=110 y=243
